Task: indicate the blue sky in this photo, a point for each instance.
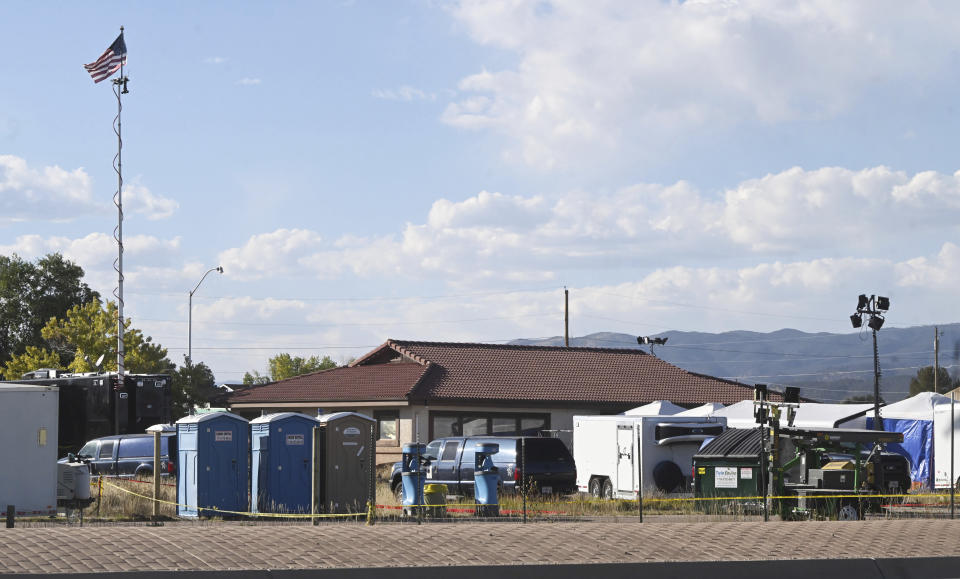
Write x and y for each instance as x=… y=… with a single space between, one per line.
x=441 y=170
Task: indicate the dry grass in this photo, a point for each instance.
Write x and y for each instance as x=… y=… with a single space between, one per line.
x=125 y=500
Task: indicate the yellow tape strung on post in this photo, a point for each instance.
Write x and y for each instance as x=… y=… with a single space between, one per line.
x=249 y=514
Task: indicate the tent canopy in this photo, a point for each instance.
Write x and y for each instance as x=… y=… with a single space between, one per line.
x=657 y=408
x=919 y=407
x=809 y=414
x=707 y=409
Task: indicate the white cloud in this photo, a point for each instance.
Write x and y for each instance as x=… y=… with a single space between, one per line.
x=942 y=273
x=796 y=213
x=278 y=253
x=43 y=194
x=248 y=81
x=214 y=60
x=140 y=200
x=404 y=93
x=600 y=75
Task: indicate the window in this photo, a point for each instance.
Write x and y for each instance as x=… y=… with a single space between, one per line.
x=387 y=421
x=106 y=449
x=139 y=446
x=450 y=450
x=443 y=423
x=433 y=450
x=89 y=449
x=475 y=426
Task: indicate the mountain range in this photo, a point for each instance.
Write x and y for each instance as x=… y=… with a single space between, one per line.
x=826 y=367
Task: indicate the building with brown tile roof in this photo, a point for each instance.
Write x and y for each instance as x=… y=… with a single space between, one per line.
x=423 y=390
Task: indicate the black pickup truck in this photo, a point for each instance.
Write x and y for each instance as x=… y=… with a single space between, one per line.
x=544 y=464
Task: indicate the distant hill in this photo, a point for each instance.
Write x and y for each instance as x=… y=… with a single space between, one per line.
x=826 y=367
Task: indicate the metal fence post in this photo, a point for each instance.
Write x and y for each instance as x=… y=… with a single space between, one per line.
x=11 y=511
x=523 y=475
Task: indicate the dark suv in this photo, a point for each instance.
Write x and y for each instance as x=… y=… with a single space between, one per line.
x=129 y=455
x=544 y=464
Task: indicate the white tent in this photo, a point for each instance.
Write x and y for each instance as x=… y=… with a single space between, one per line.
x=809 y=415
x=914 y=418
x=657 y=408
x=919 y=407
x=707 y=409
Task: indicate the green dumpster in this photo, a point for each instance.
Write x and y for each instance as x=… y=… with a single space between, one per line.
x=729 y=466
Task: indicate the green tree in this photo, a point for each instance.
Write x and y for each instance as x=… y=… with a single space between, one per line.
x=193 y=385
x=31 y=294
x=283 y=366
x=923 y=381
x=30 y=360
x=90 y=330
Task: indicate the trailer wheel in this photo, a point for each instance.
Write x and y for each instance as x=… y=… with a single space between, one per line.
x=607 y=489
x=596 y=487
x=848 y=511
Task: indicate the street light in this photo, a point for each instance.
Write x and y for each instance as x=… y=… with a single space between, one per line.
x=874 y=306
x=190 y=314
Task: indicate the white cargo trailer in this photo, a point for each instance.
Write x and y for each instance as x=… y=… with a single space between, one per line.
x=28 y=429
x=616 y=455
x=945 y=428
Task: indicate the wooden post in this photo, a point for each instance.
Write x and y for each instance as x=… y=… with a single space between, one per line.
x=156 y=475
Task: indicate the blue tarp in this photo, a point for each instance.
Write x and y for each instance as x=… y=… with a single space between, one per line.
x=917 y=446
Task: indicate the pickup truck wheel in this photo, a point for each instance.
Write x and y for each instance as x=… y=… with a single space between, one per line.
x=143 y=472
x=607 y=489
x=596 y=487
x=398 y=492
x=848 y=511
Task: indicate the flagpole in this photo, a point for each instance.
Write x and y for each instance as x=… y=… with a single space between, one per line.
x=119 y=88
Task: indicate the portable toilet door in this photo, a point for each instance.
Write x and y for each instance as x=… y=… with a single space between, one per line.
x=348 y=461
x=187 y=468
x=215 y=471
x=281 y=453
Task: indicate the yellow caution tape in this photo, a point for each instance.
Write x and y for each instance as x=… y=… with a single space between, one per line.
x=245 y=513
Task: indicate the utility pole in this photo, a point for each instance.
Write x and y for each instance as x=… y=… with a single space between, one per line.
x=566 y=317
x=936 y=360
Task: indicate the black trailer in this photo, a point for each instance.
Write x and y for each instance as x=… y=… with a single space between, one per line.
x=100 y=404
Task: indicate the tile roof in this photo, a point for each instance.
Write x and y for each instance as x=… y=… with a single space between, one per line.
x=487 y=373
x=391 y=381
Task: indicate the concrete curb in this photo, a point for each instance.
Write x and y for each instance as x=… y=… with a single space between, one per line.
x=901 y=568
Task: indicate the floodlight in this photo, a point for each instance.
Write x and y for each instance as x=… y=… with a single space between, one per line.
x=875 y=323
x=883 y=303
x=856 y=321
x=791 y=394
x=862 y=302
x=759 y=391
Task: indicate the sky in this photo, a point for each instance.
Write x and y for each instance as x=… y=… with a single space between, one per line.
x=425 y=170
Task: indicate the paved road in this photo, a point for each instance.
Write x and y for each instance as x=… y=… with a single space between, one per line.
x=237 y=546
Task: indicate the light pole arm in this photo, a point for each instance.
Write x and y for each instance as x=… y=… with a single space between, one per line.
x=190 y=313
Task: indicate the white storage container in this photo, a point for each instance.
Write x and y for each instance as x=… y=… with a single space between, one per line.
x=28 y=429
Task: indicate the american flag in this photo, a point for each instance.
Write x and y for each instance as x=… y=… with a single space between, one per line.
x=110 y=61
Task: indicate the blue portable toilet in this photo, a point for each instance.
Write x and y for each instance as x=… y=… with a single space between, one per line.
x=212 y=464
x=281 y=455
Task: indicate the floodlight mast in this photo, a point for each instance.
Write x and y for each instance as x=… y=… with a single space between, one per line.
x=874 y=306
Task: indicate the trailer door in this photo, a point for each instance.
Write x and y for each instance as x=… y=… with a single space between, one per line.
x=625 y=462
